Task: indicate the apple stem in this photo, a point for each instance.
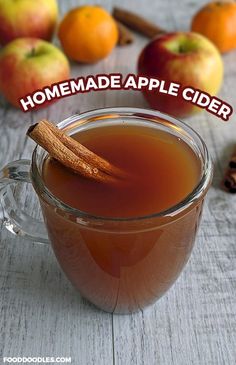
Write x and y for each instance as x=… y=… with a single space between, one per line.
x=32 y=52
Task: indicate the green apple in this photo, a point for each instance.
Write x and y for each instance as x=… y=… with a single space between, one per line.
x=28 y=64
x=27 y=18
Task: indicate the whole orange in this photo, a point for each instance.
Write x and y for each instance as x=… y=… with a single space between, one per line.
x=88 y=33
x=217 y=21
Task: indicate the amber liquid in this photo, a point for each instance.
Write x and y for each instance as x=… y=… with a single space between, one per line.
x=127 y=266
x=163 y=170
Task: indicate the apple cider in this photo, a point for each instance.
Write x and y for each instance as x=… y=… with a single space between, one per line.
x=123 y=252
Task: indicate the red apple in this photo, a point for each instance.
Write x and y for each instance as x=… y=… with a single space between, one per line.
x=186 y=58
x=27 y=18
x=28 y=64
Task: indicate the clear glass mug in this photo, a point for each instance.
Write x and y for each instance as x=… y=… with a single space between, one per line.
x=120 y=265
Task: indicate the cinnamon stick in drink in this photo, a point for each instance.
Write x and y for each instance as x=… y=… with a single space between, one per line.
x=72 y=154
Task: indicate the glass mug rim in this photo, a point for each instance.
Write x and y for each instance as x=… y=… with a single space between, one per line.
x=128 y=112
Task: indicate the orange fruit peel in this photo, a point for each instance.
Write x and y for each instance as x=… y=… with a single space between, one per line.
x=88 y=34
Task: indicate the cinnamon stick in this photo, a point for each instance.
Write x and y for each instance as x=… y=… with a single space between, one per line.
x=73 y=154
x=229 y=181
x=125 y=35
x=137 y=23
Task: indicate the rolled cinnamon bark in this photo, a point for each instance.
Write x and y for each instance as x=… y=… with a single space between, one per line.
x=125 y=35
x=73 y=154
x=136 y=22
x=229 y=181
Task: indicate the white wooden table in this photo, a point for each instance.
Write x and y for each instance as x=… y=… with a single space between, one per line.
x=195 y=323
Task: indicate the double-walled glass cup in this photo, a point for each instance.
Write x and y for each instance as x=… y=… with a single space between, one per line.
x=120 y=265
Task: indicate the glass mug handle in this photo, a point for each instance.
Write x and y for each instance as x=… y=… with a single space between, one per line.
x=13 y=218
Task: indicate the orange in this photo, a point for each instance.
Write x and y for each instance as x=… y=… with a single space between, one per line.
x=88 y=33
x=217 y=21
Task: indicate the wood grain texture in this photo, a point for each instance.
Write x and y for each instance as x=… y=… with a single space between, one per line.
x=195 y=323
